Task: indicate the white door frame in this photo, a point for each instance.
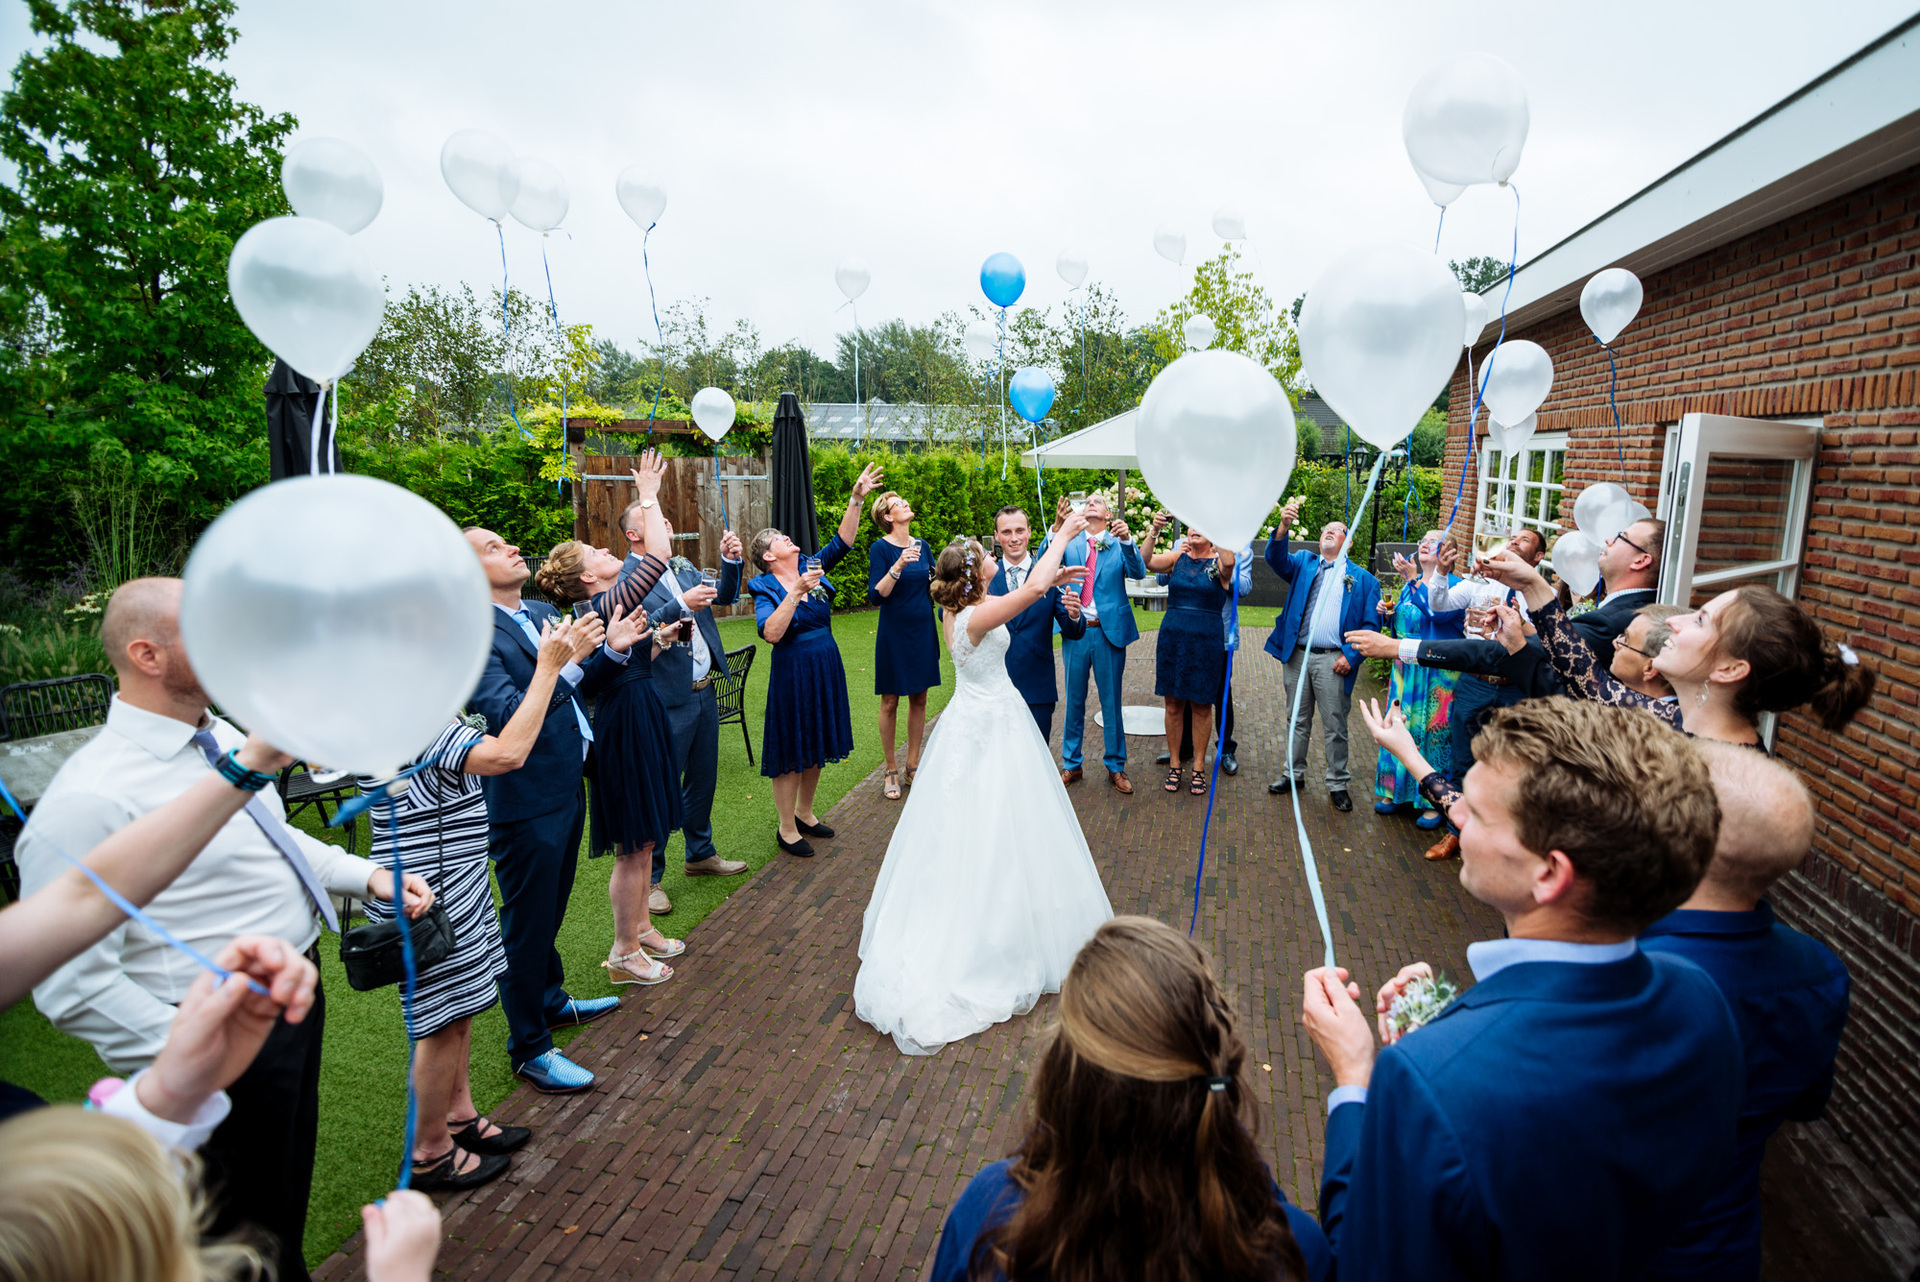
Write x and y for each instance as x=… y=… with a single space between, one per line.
x=1701 y=437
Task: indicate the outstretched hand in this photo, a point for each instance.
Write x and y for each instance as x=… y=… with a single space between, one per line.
x=868 y=481
x=1389 y=728
x=1072 y=523
x=625 y=630
x=647 y=477
x=1374 y=645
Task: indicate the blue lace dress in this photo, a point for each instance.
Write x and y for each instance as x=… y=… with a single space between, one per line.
x=1190 y=657
x=634 y=800
x=906 y=644
x=808 y=722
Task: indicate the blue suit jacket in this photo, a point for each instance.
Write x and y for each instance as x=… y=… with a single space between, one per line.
x=1030 y=653
x=1789 y=996
x=1359 y=604
x=1111 y=571
x=1559 y=1120
x=550 y=780
x=673 y=670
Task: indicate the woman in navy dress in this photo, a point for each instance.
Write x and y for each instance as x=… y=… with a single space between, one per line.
x=808 y=722
x=635 y=799
x=1190 y=658
x=906 y=645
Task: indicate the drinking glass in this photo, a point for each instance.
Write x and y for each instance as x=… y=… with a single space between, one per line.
x=1077 y=501
x=819 y=592
x=710 y=579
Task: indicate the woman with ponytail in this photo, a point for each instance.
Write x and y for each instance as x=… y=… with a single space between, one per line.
x=1140 y=1162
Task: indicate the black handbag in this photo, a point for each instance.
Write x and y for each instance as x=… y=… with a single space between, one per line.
x=371 y=954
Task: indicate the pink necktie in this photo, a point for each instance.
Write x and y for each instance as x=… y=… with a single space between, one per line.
x=1086 y=584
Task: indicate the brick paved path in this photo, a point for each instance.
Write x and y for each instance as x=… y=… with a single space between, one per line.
x=747 y=1125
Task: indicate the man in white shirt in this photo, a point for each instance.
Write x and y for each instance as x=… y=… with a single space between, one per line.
x=256 y=877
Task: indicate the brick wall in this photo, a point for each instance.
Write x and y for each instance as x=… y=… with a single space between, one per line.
x=1815 y=316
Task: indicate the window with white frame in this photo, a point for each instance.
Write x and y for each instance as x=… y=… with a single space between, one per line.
x=1521 y=490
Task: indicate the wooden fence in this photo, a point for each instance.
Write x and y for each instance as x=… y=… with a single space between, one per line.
x=699 y=508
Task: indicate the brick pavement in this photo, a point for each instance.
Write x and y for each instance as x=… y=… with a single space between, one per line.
x=748 y=1126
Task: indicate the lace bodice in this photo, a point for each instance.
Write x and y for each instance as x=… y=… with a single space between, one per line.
x=979 y=665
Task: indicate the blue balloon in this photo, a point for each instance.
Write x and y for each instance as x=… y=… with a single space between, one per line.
x=1003 y=280
x=1031 y=393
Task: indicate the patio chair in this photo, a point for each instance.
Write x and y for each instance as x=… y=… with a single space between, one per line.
x=31 y=708
x=299 y=791
x=730 y=692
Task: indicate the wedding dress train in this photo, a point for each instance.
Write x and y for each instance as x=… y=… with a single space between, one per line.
x=988 y=888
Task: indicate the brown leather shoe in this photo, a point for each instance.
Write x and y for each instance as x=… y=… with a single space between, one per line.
x=1445 y=848
x=1119 y=780
x=657 y=901
x=1071 y=776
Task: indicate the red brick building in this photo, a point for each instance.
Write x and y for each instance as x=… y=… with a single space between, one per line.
x=1769 y=392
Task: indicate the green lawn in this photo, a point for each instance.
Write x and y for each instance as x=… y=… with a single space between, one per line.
x=363 y=1073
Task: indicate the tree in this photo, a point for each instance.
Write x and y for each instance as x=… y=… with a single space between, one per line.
x=909 y=364
x=795 y=367
x=134 y=171
x=1428 y=445
x=1479 y=273
x=1245 y=320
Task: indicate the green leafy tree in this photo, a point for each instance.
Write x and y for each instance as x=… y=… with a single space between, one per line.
x=909 y=364
x=1478 y=273
x=795 y=367
x=1244 y=317
x=134 y=170
x=1428 y=445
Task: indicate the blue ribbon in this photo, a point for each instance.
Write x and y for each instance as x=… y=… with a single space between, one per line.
x=128 y=907
x=1487 y=369
x=1213 y=782
x=506 y=331
x=1619 y=441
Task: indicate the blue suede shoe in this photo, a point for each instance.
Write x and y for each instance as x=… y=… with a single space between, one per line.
x=582 y=1011
x=553 y=1074
x=1388 y=807
x=1430 y=822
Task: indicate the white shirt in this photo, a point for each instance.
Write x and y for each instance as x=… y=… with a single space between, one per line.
x=1024 y=565
x=702 y=657
x=119 y=995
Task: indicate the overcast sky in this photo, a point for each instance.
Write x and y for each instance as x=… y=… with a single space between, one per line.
x=924 y=136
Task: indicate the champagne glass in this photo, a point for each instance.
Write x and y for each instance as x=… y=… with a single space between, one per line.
x=1077 y=501
x=819 y=592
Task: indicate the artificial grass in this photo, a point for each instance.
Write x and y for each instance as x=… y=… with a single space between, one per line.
x=363 y=1064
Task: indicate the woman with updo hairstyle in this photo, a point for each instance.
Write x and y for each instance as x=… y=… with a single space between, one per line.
x=633 y=803
x=906 y=652
x=956 y=582
x=808 y=720
x=1140 y=1161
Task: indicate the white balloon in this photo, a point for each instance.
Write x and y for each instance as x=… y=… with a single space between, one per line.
x=307 y=291
x=343 y=618
x=1216 y=442
x=852 y=277
x=541 y=202
x=712 y=412
x=1603 y=510
x=1576 y=559
x=1466 y=121
x=1511 y=440
x=1610 y=301
x=1380 y=336
x=1228 y=224
x=1515 y=380
x=1476 y=315
x=478 y=168
x=1636 y=513
x=983 y=341
x=1170 y=242
x=641 y=194
x=1199 y=332
x=1072 y=267
x=1442 y=194
x=333 y=181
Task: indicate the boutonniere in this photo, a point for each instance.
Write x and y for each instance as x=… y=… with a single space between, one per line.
x=472 y=721
x=679 y=563
x=1104 y=542
x=1347 y=581
x=1421 y=1003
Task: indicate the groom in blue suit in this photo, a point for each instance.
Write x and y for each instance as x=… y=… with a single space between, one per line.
x=1030 y=652
x=1567 y=1115
x=1106 y=549
x=1309 y=636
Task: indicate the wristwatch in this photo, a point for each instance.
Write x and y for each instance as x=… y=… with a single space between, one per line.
x=646 y=503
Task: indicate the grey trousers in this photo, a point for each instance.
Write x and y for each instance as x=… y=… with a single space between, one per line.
x=1326 y=689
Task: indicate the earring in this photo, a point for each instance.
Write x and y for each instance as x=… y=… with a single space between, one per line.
x=1700 y=700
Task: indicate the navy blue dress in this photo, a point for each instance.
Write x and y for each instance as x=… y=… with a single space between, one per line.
x=906 y=645
x=1190 y=658
x=808 y=722
x=635 y=798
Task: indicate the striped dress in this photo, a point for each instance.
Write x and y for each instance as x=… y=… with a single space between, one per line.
x=443 y=834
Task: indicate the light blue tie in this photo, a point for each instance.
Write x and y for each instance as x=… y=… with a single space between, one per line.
x=533 y=634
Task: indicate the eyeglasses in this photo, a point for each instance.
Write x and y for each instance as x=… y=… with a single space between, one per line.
x=1622 y=536
x=1618 y=644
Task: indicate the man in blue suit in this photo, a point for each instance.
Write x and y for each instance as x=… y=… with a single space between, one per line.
x=1030 y=651
x=683 y=677
x=1566 y=1115
x=1107 y=552
x=535 y=815
x=1789 y=994
x=1308 y=637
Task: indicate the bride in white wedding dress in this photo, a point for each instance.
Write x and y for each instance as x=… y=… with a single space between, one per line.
x=988 y=889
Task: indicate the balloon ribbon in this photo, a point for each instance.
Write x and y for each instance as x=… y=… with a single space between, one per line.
x=1619 y=431
x=1213 y=782
x=506 y=332
x=660 y=380
x=1486 y=370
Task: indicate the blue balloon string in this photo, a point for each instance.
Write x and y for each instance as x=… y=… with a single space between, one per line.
x=1436 y=229
x=128 y=907
x=1619 y=430
x=660 y=335
x=506 y=331
x=1486 y=370
x=1213 y=782
x=411 y=979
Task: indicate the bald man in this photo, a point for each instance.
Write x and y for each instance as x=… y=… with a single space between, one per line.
x=1788 y=993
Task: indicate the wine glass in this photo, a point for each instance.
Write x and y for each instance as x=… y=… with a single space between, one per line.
x=811 y=564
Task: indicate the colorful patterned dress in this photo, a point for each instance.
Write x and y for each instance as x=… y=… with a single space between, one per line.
x=1425 y=695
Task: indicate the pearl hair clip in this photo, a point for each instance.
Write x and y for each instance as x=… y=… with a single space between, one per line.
x=1848 y=657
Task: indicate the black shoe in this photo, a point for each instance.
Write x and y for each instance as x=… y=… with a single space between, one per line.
x=1228 y=766
x=507 y=1140
x=1164 y=759
x=1340 y=799
x=800 y=847
x=441 y=1177
x=1280 y=786
x=813 y=830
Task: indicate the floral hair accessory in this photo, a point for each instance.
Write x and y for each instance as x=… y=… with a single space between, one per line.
x=1848 y=657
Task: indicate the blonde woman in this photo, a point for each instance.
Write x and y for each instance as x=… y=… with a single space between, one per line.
x=906 y=654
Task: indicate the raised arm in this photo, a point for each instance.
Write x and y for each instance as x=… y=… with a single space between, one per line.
x=1047 y=575
x=866 y=483
x=1389 y=730
x=509 y=751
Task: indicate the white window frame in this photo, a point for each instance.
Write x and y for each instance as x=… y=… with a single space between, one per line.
x=1517 y=489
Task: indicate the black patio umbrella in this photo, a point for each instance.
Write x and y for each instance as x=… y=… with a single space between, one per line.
x=291 y=398
x=793 y=512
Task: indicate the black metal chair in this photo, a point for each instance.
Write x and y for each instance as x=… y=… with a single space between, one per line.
x=730 y=692
x=299 y=791
x=30 y=708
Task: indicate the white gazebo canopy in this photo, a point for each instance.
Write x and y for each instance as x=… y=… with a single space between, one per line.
x=1107 y=444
